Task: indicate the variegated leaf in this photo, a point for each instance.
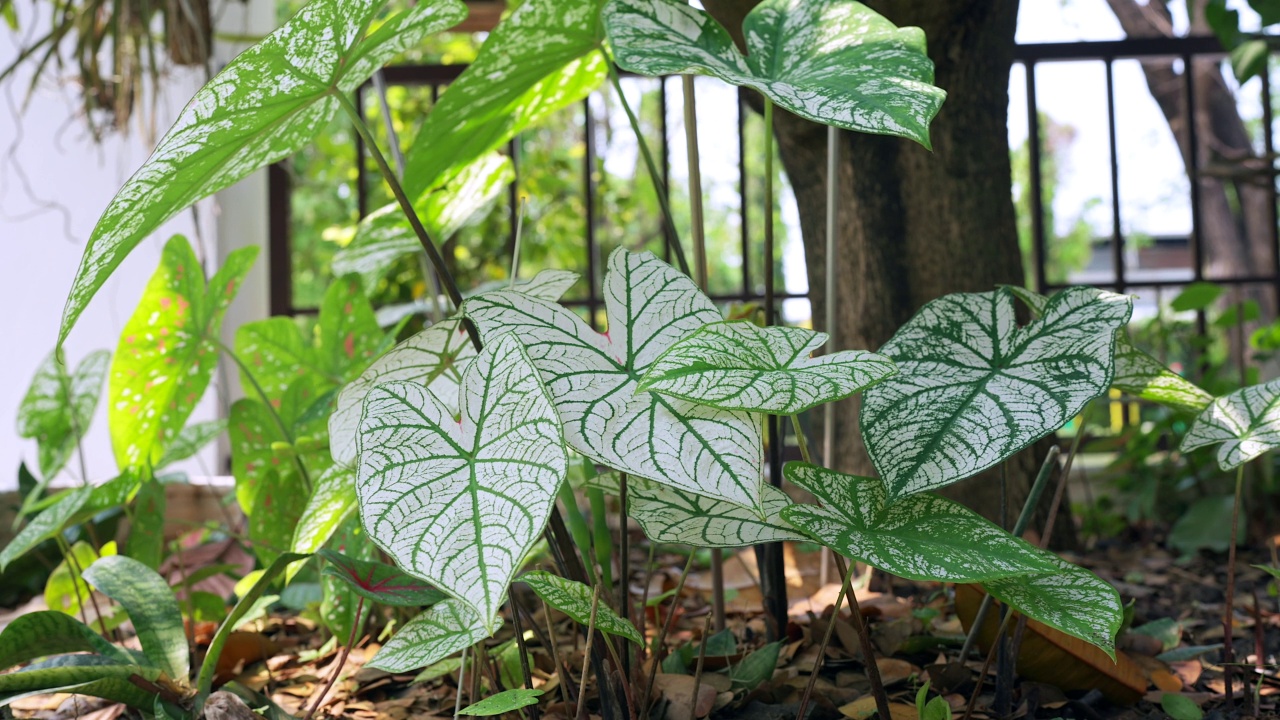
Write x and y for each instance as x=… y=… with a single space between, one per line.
x=742 y=366
x=168 y=352
x=259 y=446
x=57 y=409
x=1071 y=599
x=435 y=634
x=575 y=600
x=378 y=581
x=835 y=62
x=385 y=235
x=434 y=357
x=1246 y=422
x=332 y=500
x=152 y=610
x=191 y=440
x=920 y=537
x=1137 y=372
x=266 y=104
x=460 y=503
x=543 y=57
x=594 y=380
x=676 y=516
x=974 y=388
x=45 y=525
x=502 y=703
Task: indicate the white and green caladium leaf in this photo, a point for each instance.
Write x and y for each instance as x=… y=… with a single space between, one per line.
x=152 y=609
x=191 y=440
x=920 y=537
x=460 y=503
x=435 y=634
x=973 y=388
x=168 y=351
x=266 y=104
x=57 y=409
x=835 y=62
x=543 y=57
x=434 y=357
x=385 y=235
x=332 y=501
x=742 y=366
x=669 y=515
x=575 y=599
x=1137 y=372
x=1246 y=422
x=1071 y=599
x=594 y=379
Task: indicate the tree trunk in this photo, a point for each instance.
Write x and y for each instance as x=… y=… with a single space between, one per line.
x=916 y=225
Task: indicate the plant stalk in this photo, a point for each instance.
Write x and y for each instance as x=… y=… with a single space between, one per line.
x=462 y=671
x=1228 y=612
x=660 y=188
x=581 y=710
x=662 y=637
x=695 y=181
x=341 y=662
x=524 y=656
x=271 y=410
x=702 y=657
x=624 y=570
x=822 y=647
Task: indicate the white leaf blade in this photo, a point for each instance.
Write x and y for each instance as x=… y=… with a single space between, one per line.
x=1246 y=423
x=973 y=388
x=668 y=515
x=741 y=366
x=460 y=503
x=594 y=380
x=1072 y=600
x=435 y=634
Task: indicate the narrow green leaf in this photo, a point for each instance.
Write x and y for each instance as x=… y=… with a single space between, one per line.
x=152 y=608
x=381 y=583
x=57 y=409
x=974 y=388
x=436 y=633
x=1245 y=422
x=920 y=537
x=504 y=702
x=332 y=501
x=45 y=525
x=385 y=235
x=756 y=667
x=86 y=672
x=146 y=532
x=574 y=599
x=49 y=632
x=1180 y=707
x=594 y=380
x=835 y=62
x=434 y=357
x=265 y=105
x=460 y=503
x=680 y=517
x=543 y=57
x=168 y=352
x=742 y=366
x=191 y=440
x=1273 y=572
x=116 y=689
x=1071 y=599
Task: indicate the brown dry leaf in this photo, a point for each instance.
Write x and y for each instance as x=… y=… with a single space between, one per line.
x=242 y=649
x=1189 y=671
x=1053 y=657
x=1166 y=681
x=893 y=670
x=678 y=689
x=889 y=636
x=866 y=707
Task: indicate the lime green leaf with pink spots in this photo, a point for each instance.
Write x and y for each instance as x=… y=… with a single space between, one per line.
x=168 y=351
x=259 y=446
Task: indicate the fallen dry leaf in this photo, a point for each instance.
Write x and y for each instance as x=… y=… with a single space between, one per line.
x=865 y=707
x=893 y=670
x=678 y=689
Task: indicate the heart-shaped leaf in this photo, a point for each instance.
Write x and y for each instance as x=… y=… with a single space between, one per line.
x=594 y=379
x=435 y=634
x=385 y=235
x=380 y=582
x=1070 y=599
x=543 y=57
x=279 y=499
x=460 y=503
x=1137 y=372
x=332 y=501
x=1246 y=422
x=504 y=702
x=973 y=388
x=835 y=62
x=575 y=599
x=152 y=609
x=168 y=351
x=676 y=516
x=260 y=446
x=742 y=366
x=266 y=104
x=920 y=537
x=49 y=632
x=191 y=440
x=434 y=357
x=57 y=409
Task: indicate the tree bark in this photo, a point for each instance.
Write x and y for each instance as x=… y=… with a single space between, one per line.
x=916 y=225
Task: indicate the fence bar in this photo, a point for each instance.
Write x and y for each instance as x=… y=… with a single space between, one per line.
x=1269 y=140
x=1117 y=237
x=747 y=289
x=513 y=198
x=668 y=241
x=1035 y=180
x=589 y=202
x=280 y=246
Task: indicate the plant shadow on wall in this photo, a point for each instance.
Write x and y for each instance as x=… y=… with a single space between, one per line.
x=420 y=474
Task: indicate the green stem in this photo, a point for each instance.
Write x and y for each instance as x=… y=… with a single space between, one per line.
x=660 y=189
x=695 y=183
x=406 y=206
x=800 y=439
x=271 y=409
x=822 y=647
x=658 y=641
x=768 y=213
